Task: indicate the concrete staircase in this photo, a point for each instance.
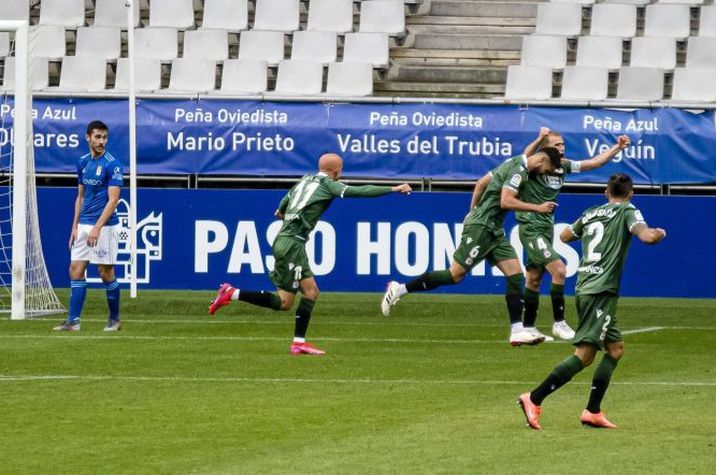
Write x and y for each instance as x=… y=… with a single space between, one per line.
x=459 y=49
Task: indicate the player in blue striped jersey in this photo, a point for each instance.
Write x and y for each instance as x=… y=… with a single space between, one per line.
x=93 y=238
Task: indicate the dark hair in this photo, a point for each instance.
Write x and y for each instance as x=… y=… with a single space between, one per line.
x=619 y=185
x=96 y=125
x=555 y=158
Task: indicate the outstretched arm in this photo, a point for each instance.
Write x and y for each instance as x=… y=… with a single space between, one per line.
x=509 y=200
x=596 y=162
x=532 y=148
x=567 y=235
x=371 y=191
x=648 y=235
x=480 y=187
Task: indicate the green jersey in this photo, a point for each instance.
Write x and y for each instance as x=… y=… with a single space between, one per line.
x=304 y=204
x=606 y=234
x=512 y=174
x=541 y=188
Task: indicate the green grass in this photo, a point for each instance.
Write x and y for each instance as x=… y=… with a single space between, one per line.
x=432 y=389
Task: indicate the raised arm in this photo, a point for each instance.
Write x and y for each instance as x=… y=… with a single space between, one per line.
x=480 y=187
x=532 y=148
x=372 y=191
x=599 y=160
x=648 y=235
x=509 y=200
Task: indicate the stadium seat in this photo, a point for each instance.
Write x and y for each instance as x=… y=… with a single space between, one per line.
x=653 y=52
x=277 y=15
x=15 y=10
x=694 y=84
x=382 y=16
x=230 y=15
x=580 y=2
x=707 y=21
x=147 y=75
x=543 y=50
x=299 y=78
x=528 y=83
x=330 y=15
x=613 y=20
x=113 y=13
x=206 y=44
x=99 y=41
x=192 y=75
x=599 y=51
x=83 y=74
x=367 y=48
x=640 y=84
x=667 y=20
x=67 y=13
x=4 y=44
x=693 y=3
x=628 y=2
x=244 y=76
x=559 y=19
x=262 y=45
x=157 y=43
x=317 y=46
x=47 y=41
x=350 y=79
x=39 y=73
x=171 y=14
x=701 y=52
x=585 y=83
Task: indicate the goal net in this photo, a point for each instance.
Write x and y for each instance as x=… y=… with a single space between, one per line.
x=25 y=290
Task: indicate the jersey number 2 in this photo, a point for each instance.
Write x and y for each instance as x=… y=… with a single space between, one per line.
x=596 y=230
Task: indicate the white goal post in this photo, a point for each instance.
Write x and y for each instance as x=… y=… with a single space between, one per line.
x=28 y=285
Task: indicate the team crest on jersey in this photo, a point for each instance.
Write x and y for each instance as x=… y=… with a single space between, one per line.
x=149 y=245
x=99 y=171
x=553 y=181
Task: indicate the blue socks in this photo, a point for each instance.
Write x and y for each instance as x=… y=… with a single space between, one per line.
x=78 y=292
x=112 y=289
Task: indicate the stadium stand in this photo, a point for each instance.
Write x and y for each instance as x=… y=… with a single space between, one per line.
x=585 y=83
x=640 y=84
x=350 y=79
x=83 y=74
x=147 y=77
x=442 y=48
x=192 y=75
x=695 y=84
x=529 y=83
x=301 y=78
x=39 y=74
x=244 y=76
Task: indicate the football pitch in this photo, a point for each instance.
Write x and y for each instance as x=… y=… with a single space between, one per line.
x=431 y=389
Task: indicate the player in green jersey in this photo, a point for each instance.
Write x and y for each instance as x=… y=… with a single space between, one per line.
x=606 y=232
x=300 y=210
x=536 y=230
x=483 y=237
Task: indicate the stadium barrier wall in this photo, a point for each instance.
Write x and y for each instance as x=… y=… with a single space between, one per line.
x=197 y=239
x=437 y=141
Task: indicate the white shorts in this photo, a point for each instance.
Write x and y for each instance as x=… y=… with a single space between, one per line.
x=105 y=252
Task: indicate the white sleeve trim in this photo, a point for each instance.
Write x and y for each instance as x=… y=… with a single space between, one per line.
x=635 y=223
x=576 y=166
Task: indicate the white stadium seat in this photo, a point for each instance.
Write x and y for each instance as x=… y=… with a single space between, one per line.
x=317 y=46
x=667 y=20
x=613 y=20
x=113 y=13
x=192 y=75
x=230 y=15
x=67 y=13
x=83 y=74
x=559 y=19
x=599 y=51
x=4 y=44
x=299 y=78
x=330 y=15
x=206 y=44
x=262 y=45
x=640 y=84
x=171 y=14
x=99 y=41
x=544 y=50
x=653 y=52
x=528 y=83
x=350 y=79
x=707 y=21
x=39 y=73
x=244 y=76
x=701 y=52
x=585 y=83
x=157 y=43
x=15 y=10
x=367 y=48
x=147 y=74
x=277 y=15
x=694 y=84
x=382 y=16
x=47 y=41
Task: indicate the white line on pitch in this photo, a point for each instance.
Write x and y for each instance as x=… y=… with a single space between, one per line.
x=642 y=330
x=69 y=377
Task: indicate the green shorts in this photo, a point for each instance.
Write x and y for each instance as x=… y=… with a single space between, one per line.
x=291 y=263
x=478 y=243
x=597 y=319
x=537 y=243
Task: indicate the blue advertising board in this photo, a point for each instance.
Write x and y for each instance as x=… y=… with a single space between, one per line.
x=437 y=141
x=197 y=239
